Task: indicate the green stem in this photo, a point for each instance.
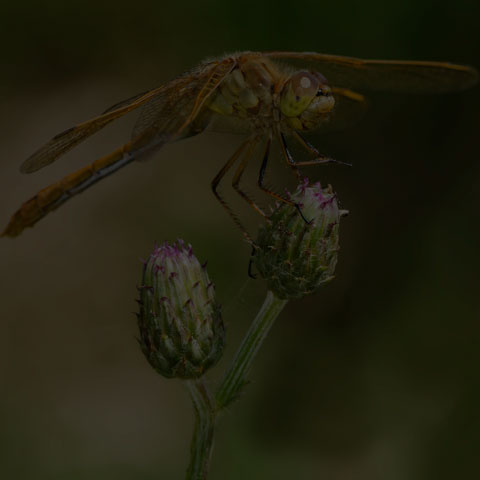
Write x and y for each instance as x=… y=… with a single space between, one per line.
x=202 y=440
x=204 y=405
x=234 y=379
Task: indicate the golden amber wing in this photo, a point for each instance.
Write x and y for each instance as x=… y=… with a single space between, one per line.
x=177 y=102
x=385 y=75
x=66 y=140
x=171 y=112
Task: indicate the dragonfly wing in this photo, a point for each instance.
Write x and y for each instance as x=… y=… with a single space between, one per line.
x=386 y=75
x=126 y=102
x=66 y=140
x=165 y=98
x=171 y=112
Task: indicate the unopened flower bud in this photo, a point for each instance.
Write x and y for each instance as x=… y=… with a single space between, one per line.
x=296 y=255
x=181 y=328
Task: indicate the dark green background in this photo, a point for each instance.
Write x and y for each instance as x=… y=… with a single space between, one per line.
x=374 y=377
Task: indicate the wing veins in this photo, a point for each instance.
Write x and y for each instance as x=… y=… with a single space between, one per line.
x=387 y=75
x=68 y=139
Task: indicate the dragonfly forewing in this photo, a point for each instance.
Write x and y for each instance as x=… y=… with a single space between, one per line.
x=386 y=75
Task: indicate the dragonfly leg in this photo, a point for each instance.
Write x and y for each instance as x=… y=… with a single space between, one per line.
x=218 y=178
x=319 y=158
x=270 y=192
x=261 y=176
x=238 y=175
x=288 y=156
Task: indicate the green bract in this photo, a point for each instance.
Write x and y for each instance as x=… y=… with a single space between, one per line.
x=296 y=255
x=181 y=328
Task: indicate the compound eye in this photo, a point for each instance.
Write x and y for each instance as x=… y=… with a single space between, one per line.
x=304 y=84
x=298 y=91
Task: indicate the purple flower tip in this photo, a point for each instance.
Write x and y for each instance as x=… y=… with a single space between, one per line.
x=319 y=196
x=303 y=186
x=158 y=268
x=328 y=201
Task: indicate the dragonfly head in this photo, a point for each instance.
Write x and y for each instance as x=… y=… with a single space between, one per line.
x=306 y=91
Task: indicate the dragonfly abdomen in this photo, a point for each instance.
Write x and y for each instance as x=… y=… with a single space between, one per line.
x=51 y=197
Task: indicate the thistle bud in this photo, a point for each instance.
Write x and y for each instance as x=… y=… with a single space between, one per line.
x=181 y=328
x=296 y=255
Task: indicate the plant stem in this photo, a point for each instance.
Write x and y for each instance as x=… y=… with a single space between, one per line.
x=204 y=404
x=202 y=440
x=234 y=379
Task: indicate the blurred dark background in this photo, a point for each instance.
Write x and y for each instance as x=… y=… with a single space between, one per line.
x=374 y=377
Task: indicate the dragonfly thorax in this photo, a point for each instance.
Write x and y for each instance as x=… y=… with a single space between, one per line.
x=256 y=91
x=247 y=93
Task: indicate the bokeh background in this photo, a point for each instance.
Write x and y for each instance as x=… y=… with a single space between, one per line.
x=373 y=377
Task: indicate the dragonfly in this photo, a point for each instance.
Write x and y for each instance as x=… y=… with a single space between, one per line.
x=270 y=96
